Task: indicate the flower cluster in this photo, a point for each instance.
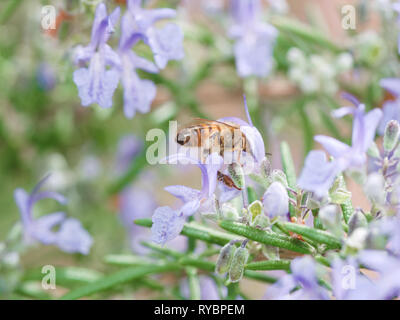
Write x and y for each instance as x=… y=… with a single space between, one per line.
x=210 y=200
x=106 y=67
x=316 y=73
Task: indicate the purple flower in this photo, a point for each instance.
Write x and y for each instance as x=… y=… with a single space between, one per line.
x=96 y=84
x=208 y=289
x=390 y=228
x=136 y=203
x=209 y=171
x=255 y=40
x=166 y=43
x=253 y=136
x=303 y=277
x=388 y=284
x=391 y=109
x=129 y=147
x=348 y=283
x=71 y=236
x=318 y=175
x=276 y=200
x=45 y=76
x=167 y=224
x=138 y=93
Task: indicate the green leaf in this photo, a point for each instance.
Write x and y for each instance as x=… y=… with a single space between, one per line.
x=197 y=231
x=269 y=265
x=251 y=274
x=316 y=235
x=347 y=206
x=198 y=263
x=290 y=172
x=67 y=275
x=123 y=276
x=194 y=283
x=125 y=260
x=268 y=238
x=305 y=32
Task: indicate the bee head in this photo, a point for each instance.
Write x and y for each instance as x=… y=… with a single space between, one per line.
x=183 y=137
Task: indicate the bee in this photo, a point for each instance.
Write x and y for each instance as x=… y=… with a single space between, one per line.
x=210 y=136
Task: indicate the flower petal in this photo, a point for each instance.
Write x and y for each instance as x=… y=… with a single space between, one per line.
x=72 y=237
x=318 y=174
x=167 y=225
x=335 y=147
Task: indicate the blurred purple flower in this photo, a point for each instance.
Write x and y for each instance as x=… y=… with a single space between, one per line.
x=45 y=76
x=208 y=289
x=303 y=277
x=391 y=108
x=129 y=146
x=317 y=175
x=255 y=39
x=276 y=200
x=387 y=286
x=96 y=84
x=138 y=93
x=390 y=228
x=136 y=203
x=348 y=283
x=71 y=236
x=166 y=43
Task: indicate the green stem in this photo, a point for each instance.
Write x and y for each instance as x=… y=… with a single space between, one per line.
x=289 y=169
x=120 y=277
x=269 y=265
x=194 y=283
x=268 y=238
x=197 y=231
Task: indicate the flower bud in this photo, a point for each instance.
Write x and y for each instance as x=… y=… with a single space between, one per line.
x=391 y=136
x=337 y=193
x=255 y=209
x=238 y=262
x=373 y=150
x=261 y=221
x=270 y=252
x=229 y=212
x=276 y=200
x=280 y=176
x=237 y=175
x=331 y=219
x=265 y=167
x=357 y=220
x=357 y=239
x=225 y=258
x=374 y=188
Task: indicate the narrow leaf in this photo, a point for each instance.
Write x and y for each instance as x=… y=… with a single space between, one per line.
x=268 y=238
x=316 y=235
